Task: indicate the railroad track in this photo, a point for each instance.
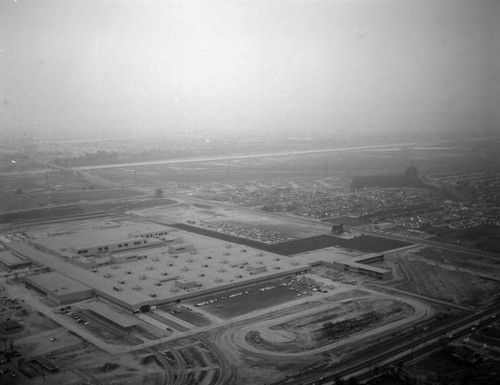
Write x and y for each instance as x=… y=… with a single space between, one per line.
x=181 y=377
x=418 y=348
x=225 y=372
x=168 y=378
x=88 y=378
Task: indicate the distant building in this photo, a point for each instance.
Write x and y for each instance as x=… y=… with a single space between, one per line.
x=361 y=265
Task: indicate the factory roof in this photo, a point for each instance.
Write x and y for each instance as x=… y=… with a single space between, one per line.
x=102 y=285
x=10 y=260
x=57 y=283
x=93 y=238
x=364 y=266
x=120 y=319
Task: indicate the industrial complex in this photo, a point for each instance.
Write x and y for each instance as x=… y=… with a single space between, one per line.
x=140 y=265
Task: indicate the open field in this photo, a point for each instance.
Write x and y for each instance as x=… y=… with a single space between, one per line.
x=63 y=197
x=11 y=202
x=485 y=237
x=337 y=323
x=453 y=157
x=442 y=366
x=44 y=180
x=47 y=213
x=33 y=204
x=448 y=276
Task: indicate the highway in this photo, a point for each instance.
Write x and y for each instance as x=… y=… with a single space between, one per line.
x=233 y=157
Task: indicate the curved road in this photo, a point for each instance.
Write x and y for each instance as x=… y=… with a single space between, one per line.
x=235 y=339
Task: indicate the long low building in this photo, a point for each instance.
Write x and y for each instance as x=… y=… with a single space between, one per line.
x=128 y=298
x=105 y=241
x=12 y=261
x=361 y=265
x=59 y=288
x=122 y=320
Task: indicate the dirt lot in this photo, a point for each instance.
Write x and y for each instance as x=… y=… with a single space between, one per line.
x=77 y=360
x=186 y=314
x=80 y=363
x=288 y=341
x=317 y=330
x=485 y=237
x=61 y=197
x=449 y=276
x=43 y=213
x=442 y=366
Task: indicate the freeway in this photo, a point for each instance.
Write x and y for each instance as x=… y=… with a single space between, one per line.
x=235 y=157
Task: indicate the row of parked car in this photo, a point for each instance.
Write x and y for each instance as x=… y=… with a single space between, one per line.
x=67 y=311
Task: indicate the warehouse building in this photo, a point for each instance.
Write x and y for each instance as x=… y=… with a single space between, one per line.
x=60 y=289
x=104 y=241
x=119 y=319
x=128 y=298
x=361 y=265
x=11 y=261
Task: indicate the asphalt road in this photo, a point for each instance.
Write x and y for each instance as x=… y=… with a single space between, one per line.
x=236 y=157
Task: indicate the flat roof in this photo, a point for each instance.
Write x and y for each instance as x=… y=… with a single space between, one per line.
x=10 y=259
x=180 y=245
x=120 y=319
x=94 y=238
x=100 y=284
x=57 y=283
x=365 y=267
x=364 y=257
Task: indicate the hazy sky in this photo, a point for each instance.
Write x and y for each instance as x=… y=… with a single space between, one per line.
x=308 y=65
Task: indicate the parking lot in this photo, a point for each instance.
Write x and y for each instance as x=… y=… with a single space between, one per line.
x=259 y=296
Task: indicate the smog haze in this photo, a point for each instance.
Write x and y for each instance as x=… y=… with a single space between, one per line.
x=292 y=68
